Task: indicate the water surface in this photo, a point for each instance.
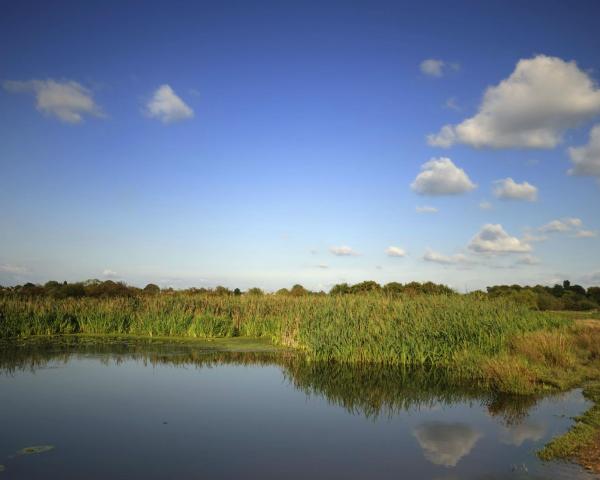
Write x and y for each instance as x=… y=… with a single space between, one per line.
x=150 y=410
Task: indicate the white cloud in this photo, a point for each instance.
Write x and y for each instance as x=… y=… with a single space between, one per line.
x=508 y=189
x=108 y=273
x=586 y=234
x=561 y=226
x=493 y=239
x=522 y=432
x=343 y=251
x=531 y=238
x=452 y=104
x=528 y=260
x=323 y=266
x=436 y=257
x=13 y=269
x=586 y=159
x=166 y=106
x=446 y=443
x=437 y=68
x=440 y=176
x=532 y=108
x=68 y=101
x=426 y=209
x=432 y=67
x=392 y=251
x=485 y=205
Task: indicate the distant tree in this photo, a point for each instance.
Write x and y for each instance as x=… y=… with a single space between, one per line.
x=298 y=291
x=282 y=291
x=237 y=292
x=594 y=294
x=255 y=291
x=558 y=290
x=365 y=287
x=340 y=289
x=151 y=289
x=222 y=291
x=577 y=289
x=393 y=288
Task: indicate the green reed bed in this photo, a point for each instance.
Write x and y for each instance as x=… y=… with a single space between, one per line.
x=419 y=330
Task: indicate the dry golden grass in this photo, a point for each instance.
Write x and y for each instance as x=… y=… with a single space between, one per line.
x=549 y=348
x=509 y=374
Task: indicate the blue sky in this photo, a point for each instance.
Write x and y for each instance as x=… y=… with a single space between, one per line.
x=270 y=143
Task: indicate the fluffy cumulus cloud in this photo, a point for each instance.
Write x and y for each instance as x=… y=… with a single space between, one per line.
x=493 y=239
x=508 y=189
x=426 y=209
x=436 y=257
x=392 y=251
x=586 y=159
x=343 y=251
x=446 y=443
x=440 y=176
x=108 y=273
x=67 y=100
x=167 y=107
x=532 y=108
x=561 y=226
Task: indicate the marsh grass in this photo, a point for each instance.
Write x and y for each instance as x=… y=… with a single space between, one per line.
x=417 y=330
x=582 y=442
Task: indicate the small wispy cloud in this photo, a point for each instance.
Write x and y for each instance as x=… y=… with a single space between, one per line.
x=392 y=251
x=485 y=205
x=586 y=234
x=13 y=269
x=531 y=238
x=167 y=107
x=426 y=209
x=434 y=67
x=343 y=251
x=528 y=260
x=436 y=257
x=561 y=226
x=452 y=104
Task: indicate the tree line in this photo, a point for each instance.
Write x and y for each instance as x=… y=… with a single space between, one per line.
x=563 y=296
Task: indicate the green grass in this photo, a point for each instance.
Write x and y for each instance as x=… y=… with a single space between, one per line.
x=421 y=330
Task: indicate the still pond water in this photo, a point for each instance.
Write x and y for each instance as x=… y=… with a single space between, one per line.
x=150 y=410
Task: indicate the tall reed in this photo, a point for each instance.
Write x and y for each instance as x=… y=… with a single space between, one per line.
x=419 y=330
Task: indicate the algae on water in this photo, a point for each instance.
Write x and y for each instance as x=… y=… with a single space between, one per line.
x=35 y=449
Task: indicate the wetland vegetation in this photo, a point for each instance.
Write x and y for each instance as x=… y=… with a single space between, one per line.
x=501 y=341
